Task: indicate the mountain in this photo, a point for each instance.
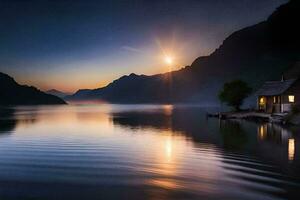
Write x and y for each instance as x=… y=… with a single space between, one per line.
x=57 y=93
x=11 y=93
x=255 y=54
x=293 y=72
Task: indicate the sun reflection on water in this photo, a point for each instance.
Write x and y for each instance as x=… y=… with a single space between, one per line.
x=168 y=149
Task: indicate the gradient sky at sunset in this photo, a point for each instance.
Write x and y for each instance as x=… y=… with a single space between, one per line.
x=69 y=45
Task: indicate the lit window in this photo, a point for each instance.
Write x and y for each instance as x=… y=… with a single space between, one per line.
x=261 y=100
x=291 y=98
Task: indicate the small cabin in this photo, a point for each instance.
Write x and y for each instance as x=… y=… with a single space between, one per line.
x=278 y=96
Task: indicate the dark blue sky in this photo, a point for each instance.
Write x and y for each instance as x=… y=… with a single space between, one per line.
x=68 y=44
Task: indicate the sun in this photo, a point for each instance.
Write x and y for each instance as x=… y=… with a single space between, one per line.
x=168 y=60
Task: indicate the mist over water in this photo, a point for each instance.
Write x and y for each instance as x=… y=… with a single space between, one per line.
x=143 y=152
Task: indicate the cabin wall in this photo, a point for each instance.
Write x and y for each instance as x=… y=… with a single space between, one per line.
x=286 y=107
x=268 y=104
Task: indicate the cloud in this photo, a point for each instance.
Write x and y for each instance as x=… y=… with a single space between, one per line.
x=131 y=49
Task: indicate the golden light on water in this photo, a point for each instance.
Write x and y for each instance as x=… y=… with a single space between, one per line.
x=168 y=149
x=291 y=149
x=165 y=155
x=262 y=131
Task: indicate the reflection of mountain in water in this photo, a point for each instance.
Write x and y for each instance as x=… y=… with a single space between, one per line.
x=135 y=120
x=190 y=122
x=267 y=143
x=187 y=121
x=7 y=120
x=233 y=135
x=10 y=118
x=263 y=140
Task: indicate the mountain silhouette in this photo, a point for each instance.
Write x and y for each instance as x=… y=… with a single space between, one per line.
x=293 y=72
x=12 y=93
x=57 y=93
x=254 y=54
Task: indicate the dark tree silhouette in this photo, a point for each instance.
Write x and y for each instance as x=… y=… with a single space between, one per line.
x=234 y=93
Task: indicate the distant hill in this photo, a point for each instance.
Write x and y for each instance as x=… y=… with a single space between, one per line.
x=255 y=54
x=11 y=93
x=57 y=93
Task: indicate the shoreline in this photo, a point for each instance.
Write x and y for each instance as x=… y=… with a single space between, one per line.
x=279 y=118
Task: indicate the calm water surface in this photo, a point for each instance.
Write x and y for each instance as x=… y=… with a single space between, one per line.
x=143 y=152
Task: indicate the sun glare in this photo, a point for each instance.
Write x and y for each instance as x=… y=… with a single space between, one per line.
x=168 y=60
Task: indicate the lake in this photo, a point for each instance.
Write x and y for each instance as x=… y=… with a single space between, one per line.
x=143 y=152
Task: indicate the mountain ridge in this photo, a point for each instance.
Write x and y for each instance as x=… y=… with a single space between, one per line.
x=13 y=93
x=57 y=93
x=255 y=54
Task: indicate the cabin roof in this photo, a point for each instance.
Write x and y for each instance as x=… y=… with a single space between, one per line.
x=271 y=88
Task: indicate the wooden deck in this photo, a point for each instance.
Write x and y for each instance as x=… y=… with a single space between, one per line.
x=251 y=115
